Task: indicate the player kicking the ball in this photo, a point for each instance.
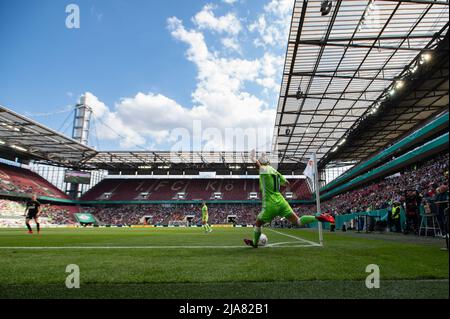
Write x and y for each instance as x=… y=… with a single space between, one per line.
x=205 y=224
x=273 y=202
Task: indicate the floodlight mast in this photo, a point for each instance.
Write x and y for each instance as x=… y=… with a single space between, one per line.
x=80 y=133
x=81 y=121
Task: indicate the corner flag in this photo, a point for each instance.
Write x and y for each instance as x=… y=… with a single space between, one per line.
x=312 y=174
x=309 y=172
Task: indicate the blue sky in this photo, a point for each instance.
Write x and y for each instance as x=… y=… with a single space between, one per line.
x=153 y=69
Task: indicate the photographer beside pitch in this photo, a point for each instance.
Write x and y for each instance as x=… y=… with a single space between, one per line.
x=32 y=211
x=273 y=202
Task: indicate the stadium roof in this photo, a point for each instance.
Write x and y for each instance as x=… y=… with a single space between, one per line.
x=31 y=140
x=116 y=160
x=27 y=140
x=419 y=100
x=131 y=159
x=340 y=66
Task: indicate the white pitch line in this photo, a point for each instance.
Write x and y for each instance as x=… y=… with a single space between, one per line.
x=147 y=247
x=280 y=243
x=287 y=243
x=295 y=237
x=274 y=245
x=295 y=246
x=120 y=247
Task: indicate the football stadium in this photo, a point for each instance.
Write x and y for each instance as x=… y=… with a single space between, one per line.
x=347 y=198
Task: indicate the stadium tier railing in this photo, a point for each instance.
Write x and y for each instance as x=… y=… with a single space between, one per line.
x=407 y=142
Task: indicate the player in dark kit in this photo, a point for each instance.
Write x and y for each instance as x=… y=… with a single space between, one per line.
x=33 y=209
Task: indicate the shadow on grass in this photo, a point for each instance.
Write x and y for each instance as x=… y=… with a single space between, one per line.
x=404 y=289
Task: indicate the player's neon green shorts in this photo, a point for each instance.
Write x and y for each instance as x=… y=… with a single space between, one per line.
x=204 y=218
x=271 y=210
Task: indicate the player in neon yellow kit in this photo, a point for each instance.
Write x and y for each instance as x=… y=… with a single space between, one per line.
x=205 y=217
x=273 y=202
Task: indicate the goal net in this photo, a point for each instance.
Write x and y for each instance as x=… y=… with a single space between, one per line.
x=178 y=223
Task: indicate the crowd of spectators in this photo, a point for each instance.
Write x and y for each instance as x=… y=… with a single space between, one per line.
x=423 y=186
x=163 y=214
x=422 y=179
x=17 y=187
x=12 y=212
x=16 y=180
x=57 y=215
x=118 y=215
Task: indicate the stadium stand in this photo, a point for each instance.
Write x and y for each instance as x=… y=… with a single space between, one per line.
x=162 y=215
x=418 y=137
x=194 y=189
x=12 y=214
x=17 y=180
x=422 y=178
x=428 y=178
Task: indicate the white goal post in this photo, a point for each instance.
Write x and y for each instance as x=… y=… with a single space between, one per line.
x=178 y=223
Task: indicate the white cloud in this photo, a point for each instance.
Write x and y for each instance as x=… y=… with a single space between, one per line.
x=220 y=96
x=272 y=26
x=280 y=8
x=110 y=126
x=221 y=101
x=232 y=44
x=214 y=72
x=198 y=49
x=270 y=68
x=230 y=1
x=153 y=118
x=206 y=19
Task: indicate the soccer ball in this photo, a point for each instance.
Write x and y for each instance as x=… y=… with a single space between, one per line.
x=263 y=240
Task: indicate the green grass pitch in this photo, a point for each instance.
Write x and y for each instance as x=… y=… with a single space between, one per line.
x=186 y=263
